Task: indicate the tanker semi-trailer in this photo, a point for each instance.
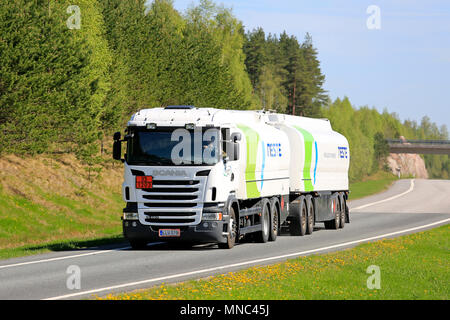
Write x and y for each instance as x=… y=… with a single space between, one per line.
x=203 y=175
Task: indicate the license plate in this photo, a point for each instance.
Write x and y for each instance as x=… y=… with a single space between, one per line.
x=167 y=233
x=144 y=182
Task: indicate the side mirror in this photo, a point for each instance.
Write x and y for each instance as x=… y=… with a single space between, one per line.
x=235 y=137
x=117 y=150
x=117 y=147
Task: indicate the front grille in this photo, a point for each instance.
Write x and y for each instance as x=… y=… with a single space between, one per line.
x=175 y=182
x=154 y=214
x=170 y=221
x=170 y=217
x=162 y=190
x=169 y=205
x=172 y=202
x=169 y=197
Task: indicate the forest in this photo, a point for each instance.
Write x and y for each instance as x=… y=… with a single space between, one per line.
x=71 y=75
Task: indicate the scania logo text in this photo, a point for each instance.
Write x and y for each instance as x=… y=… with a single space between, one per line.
x=165 y=173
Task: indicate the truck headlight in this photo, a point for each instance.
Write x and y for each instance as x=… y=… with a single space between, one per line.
x=130 y=216
x=212 y=216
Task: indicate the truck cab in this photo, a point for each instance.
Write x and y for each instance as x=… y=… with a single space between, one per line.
x=180 y=176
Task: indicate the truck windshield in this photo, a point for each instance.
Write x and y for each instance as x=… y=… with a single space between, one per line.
x=173 y=146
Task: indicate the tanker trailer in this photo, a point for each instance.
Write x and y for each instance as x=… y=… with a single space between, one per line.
x=319 y=164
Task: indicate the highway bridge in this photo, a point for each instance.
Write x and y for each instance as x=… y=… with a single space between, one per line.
x=419 y=146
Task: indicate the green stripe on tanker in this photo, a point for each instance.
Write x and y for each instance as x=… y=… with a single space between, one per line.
x=252 y=141
x=308 y=142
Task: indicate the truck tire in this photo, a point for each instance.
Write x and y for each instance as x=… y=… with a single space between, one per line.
x=310 y=219
x=263 y=235
x=232 y=236
x=274 y=219
x=297 y=227
x=334 y=224
x=347 y=211
x=138 y=244
x=341 y=211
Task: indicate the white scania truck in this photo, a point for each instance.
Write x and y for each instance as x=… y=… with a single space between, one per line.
x=202 y=175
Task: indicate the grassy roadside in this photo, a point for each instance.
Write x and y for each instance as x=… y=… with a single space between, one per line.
x=372 y=185
x=412 y=267
x=52 y=204
x=81 y=243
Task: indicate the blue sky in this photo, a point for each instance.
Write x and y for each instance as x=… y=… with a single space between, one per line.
x=404 y=66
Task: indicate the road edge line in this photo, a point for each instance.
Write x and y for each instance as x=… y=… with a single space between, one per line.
x=411 y=188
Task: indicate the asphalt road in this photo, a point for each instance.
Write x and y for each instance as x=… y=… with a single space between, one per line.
x=409 y=206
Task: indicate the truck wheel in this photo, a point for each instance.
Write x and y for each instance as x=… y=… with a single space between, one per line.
x=263 y=235
x=232 y=236
x=334 y=224
x=310 y=216
x=274 y=219
x=346 y=210
x=138 y=244
x=297 y=226
x=341 y=211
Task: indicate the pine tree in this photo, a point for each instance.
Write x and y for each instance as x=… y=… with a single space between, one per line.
x=255 y=53
x=311 y=94
x=290 y=50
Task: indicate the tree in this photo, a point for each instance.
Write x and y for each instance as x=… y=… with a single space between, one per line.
x=295 y=67
x=270 y=90
x=228 y=35
x=381 y=150
x=125 y=27
x=54 y=80
x=290 y=50
x=255 y=54
x=311 y=94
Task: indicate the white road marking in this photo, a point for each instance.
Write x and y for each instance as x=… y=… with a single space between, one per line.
x=71 y=257
x=411 y=188
x=61 y=258
x=250 y=262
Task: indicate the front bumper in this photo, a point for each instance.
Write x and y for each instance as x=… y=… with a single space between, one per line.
x=205 y=232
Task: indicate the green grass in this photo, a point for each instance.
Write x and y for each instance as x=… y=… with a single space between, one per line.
x=62 y=224
x=412 y=267
x=376 y=184
x=55 y=206
x=60 y=245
